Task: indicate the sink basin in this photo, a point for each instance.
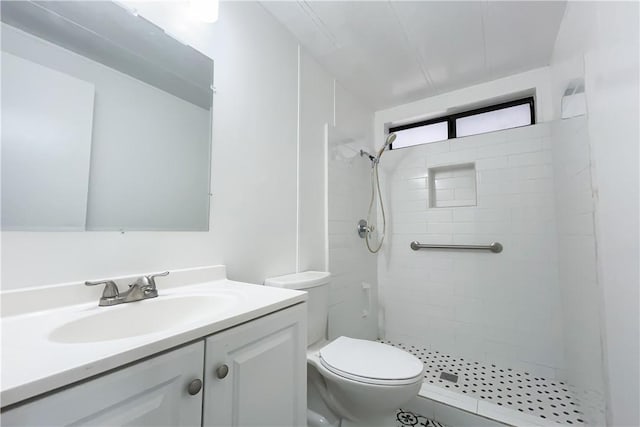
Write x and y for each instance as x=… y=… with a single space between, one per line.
x=141 y=318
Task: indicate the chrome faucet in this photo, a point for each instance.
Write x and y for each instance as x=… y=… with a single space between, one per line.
x=143 y=288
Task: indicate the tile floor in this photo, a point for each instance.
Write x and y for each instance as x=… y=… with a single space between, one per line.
x=411 y=419
x=547 y=399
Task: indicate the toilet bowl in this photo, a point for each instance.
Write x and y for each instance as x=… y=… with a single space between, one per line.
x=360 y=382
x=366 y=381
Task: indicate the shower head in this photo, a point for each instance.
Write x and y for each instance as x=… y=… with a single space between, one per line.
x=390 y=138
x=375 y=159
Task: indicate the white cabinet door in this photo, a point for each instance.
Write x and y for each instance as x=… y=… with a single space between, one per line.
x=267 y=372
x=153 y=392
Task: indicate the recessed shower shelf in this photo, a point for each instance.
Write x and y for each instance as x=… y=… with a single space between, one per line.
x=500 y=394
x=452 y=186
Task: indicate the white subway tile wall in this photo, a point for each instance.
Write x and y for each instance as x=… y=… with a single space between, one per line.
x=498 y=308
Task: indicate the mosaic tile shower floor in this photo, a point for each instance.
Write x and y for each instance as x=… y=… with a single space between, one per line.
x=548 y=399
x=411 y=419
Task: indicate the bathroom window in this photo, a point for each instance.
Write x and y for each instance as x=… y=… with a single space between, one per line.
x=424 y=134
x=506 y=115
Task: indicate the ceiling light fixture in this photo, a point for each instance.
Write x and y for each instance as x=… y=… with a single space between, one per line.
x=205 y=10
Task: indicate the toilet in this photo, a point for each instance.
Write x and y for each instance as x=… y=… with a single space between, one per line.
x=350 y=382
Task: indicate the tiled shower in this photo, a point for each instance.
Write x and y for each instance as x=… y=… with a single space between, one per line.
x=532 y=308
x=500 y=307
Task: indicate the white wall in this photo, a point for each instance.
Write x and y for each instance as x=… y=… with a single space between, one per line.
x=316 y=111
x=495 y=308
x=600 y=42
x=253 y=209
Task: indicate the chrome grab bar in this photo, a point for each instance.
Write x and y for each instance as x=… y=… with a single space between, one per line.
x=494 y=247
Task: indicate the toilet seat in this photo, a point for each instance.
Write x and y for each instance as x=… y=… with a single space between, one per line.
x=370 y=362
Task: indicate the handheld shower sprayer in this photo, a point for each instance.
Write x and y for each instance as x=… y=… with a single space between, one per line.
x=390 y=138
x=365 y=228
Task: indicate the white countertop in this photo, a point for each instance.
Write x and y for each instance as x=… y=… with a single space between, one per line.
x=32 y=363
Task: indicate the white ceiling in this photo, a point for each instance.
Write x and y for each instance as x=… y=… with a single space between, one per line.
x=393 y=52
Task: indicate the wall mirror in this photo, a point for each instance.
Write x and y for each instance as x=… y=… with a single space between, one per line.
x=106 y=121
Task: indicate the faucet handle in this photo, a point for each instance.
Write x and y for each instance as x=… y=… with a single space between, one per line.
x=152 y=278
x=110 y=290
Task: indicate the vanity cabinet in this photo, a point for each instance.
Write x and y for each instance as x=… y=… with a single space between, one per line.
x=253 y=374
x=149 y=393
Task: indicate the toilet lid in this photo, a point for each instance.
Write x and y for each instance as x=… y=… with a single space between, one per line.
x=370 y=361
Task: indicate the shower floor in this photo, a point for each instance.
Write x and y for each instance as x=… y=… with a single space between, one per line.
x=518 y=395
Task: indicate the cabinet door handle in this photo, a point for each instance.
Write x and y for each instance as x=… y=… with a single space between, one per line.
x=194 y=387
x=222 y=371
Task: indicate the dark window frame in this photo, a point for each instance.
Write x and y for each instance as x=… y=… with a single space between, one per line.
x=451 y=118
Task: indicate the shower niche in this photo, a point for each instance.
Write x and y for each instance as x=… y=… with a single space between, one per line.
x=452 y=186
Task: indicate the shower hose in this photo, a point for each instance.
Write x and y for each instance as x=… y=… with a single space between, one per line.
x=375 y=189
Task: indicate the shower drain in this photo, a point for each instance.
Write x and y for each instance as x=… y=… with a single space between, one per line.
x=541 y=397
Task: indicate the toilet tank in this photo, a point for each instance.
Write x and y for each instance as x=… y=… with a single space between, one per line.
x=316 y=283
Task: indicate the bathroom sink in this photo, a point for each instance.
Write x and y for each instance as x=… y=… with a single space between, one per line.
x=141 y=318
